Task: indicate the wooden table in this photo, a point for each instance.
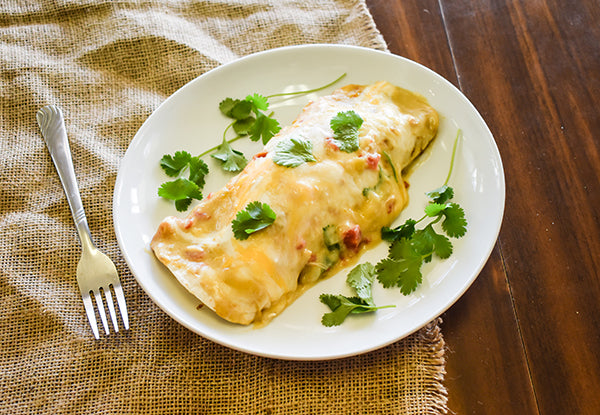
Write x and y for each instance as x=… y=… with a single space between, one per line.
x=525 y=338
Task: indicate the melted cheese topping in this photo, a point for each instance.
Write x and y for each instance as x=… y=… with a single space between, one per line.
x=327 y=211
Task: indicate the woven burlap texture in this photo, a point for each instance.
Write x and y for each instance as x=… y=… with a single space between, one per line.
x=109 y=64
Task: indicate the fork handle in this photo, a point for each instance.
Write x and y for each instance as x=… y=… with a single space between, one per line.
x=52 y=124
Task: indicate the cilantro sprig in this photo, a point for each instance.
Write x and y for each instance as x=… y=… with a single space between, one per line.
x=411 y=247
x=250 y=117
x=360 y=279
x=255 y=217
x=183 y=189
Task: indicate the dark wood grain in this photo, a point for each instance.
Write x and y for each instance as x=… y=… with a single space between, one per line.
x=411 y=29
x=525 y=338
x=487 y=370
x=543 y=116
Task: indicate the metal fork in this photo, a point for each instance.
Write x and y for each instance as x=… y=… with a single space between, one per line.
x=96 y=273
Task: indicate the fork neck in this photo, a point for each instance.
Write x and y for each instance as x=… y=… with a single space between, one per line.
x=83 y=231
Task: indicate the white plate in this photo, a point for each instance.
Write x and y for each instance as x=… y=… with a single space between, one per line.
x=190 y=120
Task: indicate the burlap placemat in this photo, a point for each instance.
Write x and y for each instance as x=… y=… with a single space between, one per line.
x=109 y=65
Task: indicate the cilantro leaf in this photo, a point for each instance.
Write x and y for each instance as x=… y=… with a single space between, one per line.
x=177 y=164
x=253 y=218
x=428 y=242
x=172 y=165
x=258 y=101
x=454 y=224
x=405 y=230
x=442 y=246
x=346 y=120
x=242 y=127
x=345 y=126
x=182 y=191
x=198 y=171
x=403 y=273
x=264 y=127
x=330 y=300
x=401 y=268
x=180 y=188
x=361 y=279
x=293 y=152
x=183 y=204
x=232 y=160
x=341 y=306
x=441 y=195
x=435 y=209
x=423 y=244
x=387 y=273
x=238 y=109
x=226 y=106
x=410 y=278
x=241 y=110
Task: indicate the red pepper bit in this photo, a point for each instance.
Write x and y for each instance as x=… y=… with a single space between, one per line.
x=301 y=244
x=373 y=160
x=390 y=204
x=352 y=237
x=194 y=217
x=189 y=222
x=194 y=254
x=331 y=144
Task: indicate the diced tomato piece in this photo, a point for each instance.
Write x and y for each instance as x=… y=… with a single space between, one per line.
x=331 y=144
x=373 y=160
x=195 y=216
x=352 y=237
x=301 y=244
x=195 y=255
x=390 y=205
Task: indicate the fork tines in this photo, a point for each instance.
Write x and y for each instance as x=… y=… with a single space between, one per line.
x=90 y=310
